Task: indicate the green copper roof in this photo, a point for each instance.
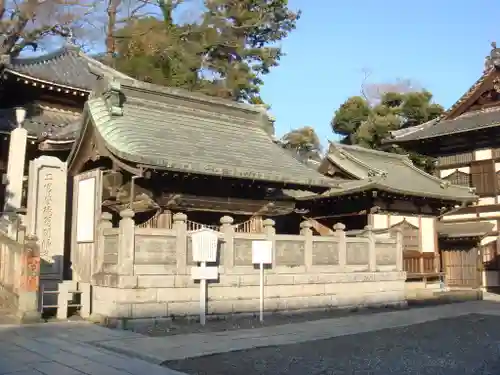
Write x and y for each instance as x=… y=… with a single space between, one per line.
x=389 y=172
x=175 y=130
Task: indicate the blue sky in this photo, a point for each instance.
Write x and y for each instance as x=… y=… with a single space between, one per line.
x=440 y=44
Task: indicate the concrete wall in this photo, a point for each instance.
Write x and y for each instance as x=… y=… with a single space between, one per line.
x=143 y=272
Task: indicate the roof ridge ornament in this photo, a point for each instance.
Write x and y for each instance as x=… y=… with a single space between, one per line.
x=445 y=184
x=493 y=60
x=267 y=120
x=114 y=97
x=377 y=173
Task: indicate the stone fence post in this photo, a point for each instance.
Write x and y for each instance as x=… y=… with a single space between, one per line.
x=227 y=230
x=339 y=233
x=180 y=227
x=105 y=223
x=305 y=230
x=126 y=243
x=372 y=255
x=398 y=234
x=270 y=232
x=30 y=281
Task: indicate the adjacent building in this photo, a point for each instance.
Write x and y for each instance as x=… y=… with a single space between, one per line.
x=466 y=145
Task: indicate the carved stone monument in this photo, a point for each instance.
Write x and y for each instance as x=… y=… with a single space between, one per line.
x=46 y=212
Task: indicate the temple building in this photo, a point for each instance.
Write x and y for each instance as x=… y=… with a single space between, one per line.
x=467 y=147
x=386 y=190
x=160 y=151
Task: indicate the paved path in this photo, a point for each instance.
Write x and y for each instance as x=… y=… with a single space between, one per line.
x=160 y=349
x=82 y=348
x=66 y=349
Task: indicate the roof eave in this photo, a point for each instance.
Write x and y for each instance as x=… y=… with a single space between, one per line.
x=80 y=90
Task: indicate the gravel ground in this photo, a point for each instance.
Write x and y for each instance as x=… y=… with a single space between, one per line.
x=467 y=345
x=180 y=326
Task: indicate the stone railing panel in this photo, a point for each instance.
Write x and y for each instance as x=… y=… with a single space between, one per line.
x=289 y=250
x=357 y=252
x=155 y=249
x=110 y=249
x=242 y=251
x=325 y=252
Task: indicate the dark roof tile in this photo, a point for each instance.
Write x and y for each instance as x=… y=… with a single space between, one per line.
x=67 y=66
x=469 y=121
x=176 y=130
x=390 y=172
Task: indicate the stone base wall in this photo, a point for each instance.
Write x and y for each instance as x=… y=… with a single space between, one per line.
x=149 y=296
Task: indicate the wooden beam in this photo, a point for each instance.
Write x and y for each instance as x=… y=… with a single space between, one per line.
x=238 y=206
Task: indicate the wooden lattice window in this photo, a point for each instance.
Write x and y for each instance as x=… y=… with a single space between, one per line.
x=483 y=177
x=457 y=159
x=459 y=178
x=411 y=236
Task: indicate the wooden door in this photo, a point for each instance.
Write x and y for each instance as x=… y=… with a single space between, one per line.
x=86 y=215
x=461 y=267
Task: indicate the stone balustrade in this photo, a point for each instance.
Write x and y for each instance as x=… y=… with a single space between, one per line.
x=142 y=272
x=20 y=273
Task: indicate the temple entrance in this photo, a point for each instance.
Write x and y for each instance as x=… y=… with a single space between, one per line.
x=461 y=267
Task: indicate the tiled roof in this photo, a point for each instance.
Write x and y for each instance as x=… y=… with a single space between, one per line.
x=389 y=172
x=469 y=121
x=176 y=130
x=67 y=66
x=457 y=230
x=43 y=122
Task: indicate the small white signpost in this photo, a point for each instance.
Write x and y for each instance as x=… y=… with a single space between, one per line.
x=262 y=253
x=204 y=242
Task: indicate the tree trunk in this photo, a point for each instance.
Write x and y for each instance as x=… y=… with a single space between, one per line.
x=112 y=10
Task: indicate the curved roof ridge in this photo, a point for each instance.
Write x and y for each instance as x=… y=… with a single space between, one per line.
x=477 y=112
x=185 y=94
x=469 y=92
x=371 y=151
x=410 y=164
x=414 y=129
x=105 y=68
x=354 y=159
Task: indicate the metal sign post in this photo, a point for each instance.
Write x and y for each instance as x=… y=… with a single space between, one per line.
x=262 y=253
x=204 y=243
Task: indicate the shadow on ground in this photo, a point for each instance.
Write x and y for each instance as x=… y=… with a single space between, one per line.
x=180 y=325
x=468 y=345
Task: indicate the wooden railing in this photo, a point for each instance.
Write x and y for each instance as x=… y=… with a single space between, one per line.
x=253 y=225
x=164 y=220
x=160 y=220
x=193 y=225
x=420 y=265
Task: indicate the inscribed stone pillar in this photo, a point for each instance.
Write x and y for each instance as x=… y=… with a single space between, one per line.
x=15 y=170
x=46 y=211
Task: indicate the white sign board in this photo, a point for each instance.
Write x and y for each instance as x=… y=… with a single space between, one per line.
x=85 y=210
x=204 y=242
x=262 y=252
x=204 y=273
